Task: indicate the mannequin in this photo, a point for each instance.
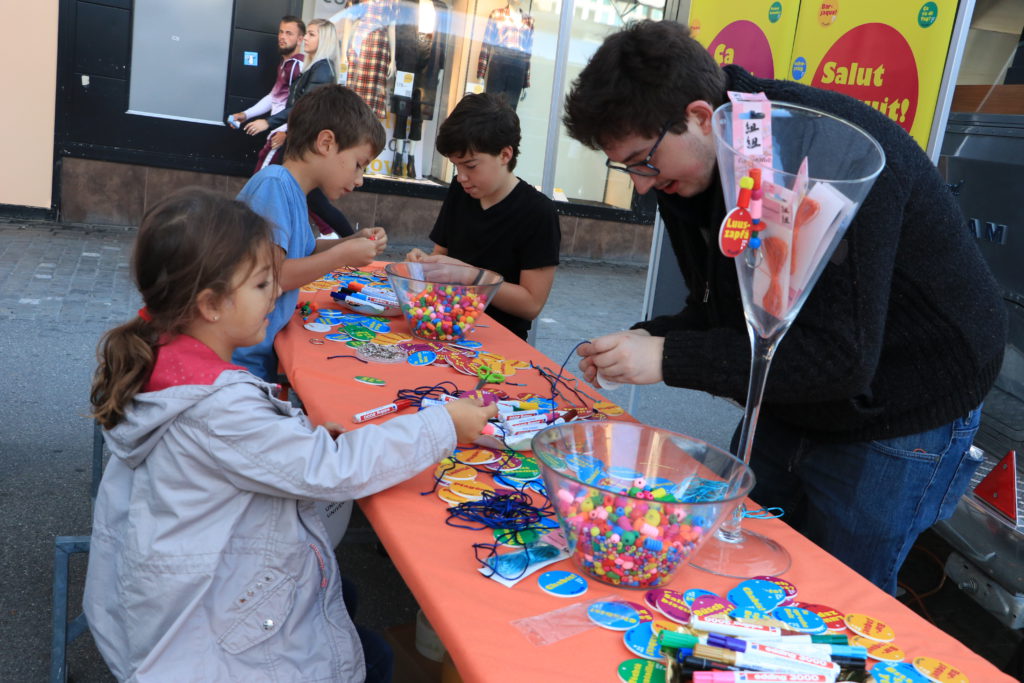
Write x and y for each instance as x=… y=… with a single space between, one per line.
x=421 y=34
x=505 y=54
x=368 y=54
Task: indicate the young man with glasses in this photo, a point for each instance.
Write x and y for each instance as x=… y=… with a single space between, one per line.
x=874 y=396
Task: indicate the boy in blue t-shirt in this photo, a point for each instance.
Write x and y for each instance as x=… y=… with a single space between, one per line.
x=491 y=219
x=332 y=137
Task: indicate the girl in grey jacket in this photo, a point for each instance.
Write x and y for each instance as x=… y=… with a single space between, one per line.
x=208 y=559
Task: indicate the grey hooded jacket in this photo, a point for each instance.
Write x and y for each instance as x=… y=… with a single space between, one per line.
x=209 y=561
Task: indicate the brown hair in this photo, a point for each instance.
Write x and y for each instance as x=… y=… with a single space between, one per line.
x=482 y=123
x=639 y=80
x=292 y=19
x=192 y=240
x=337 y=109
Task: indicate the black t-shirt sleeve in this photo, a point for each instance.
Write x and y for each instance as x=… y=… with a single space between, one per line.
x=540 y=246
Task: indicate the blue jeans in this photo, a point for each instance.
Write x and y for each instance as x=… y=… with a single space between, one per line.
x=865 y=503
x=379 y=657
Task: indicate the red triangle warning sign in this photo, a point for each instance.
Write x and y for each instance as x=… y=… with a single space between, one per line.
x=999 y=487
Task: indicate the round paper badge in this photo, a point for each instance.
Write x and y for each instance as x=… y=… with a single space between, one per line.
x=897 y=672
x=452 y=471
x=749 y=615
x=939 y=671
x=468 y=344
x=643 y=641
x=800 y=619
x=476 y=456
x=422 y=358
x=693 y=593
x=514 y=484
x=710 y=606
x=473 y=490
x=354 y=343
x=613 y=615
x=659 y=625
x=866 y=626
x=562 y=583
x=672 y=605
x=337 y=337
x=527 y=471
x=359 y=332
x=450 y=497
x=651 y=597
x=788 y=587
x=516 y=539
x=642 y=671
x=641 y=610
x=373 y=381
x=883 y=652
x=317 y=327
x=758 y=594
x=324 y=320
x=376 y=326
x=833 y=618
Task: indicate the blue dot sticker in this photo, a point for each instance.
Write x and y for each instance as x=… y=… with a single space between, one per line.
x=897 y=672
x=562 y=583
x=422 y=358
x=758 y=594
x=799 y=68
x=643 y=641
x=614 y=616
x=690 y=595
x=800 y=619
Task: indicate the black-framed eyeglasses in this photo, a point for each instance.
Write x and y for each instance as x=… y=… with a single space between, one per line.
x=643 y=168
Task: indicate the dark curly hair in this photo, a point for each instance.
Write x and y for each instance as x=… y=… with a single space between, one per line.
x=640 y=79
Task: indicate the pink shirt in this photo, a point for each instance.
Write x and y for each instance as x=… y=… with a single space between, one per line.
x=185 y=360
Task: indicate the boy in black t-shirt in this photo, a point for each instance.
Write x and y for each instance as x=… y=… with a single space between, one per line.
x=491 y=219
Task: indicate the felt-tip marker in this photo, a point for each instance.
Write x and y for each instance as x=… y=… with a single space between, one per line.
x=383 y=410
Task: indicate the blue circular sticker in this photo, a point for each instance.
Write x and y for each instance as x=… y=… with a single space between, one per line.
x=324 y=320
x=375 y=325
x=562 y=583
x=799 y=68
x=800 y=619
x=614 y=616
x=690 y=595
x=422 y=358
x=468 y=344
x=758 y=594
x=897 y=672
x=642 y=640
x=337 y=337
x=750 y=614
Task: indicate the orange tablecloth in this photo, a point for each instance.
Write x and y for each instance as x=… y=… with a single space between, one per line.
x=471 y=613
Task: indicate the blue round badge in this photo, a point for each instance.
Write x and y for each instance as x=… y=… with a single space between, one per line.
x=422 y=358
x=642 y=640
x=750 y=614
x=337 y=337
x=897 y=672
x=468 y=344
x=800 y=619
x=325 y=320
x=758 y=594
x=375 y=325
x=690 y=595
x=562 y=583
x=614 y=616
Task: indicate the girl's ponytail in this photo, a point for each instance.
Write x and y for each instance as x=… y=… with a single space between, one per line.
x=126 y=355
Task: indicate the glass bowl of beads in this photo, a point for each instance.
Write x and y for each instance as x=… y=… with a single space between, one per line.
x=636 y=501
x=442 y=301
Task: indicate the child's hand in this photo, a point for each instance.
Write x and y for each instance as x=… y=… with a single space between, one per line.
x=356 y=251
x=470 y=416
x=416 y=255
x=376 y=234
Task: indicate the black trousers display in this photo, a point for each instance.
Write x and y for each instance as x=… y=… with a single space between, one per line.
x=506 y=74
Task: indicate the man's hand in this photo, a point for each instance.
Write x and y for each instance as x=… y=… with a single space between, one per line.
x=629 y=357
x=277 y=139
x=256 y=127
x=377 y=234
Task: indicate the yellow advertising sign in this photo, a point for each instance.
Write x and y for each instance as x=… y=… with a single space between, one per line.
x=756 y=34
x=887 y=54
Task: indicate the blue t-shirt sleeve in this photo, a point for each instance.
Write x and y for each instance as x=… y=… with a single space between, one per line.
x=269 y=197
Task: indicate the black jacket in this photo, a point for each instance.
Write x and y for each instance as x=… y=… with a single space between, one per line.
x=905 y=329
x=320 y=73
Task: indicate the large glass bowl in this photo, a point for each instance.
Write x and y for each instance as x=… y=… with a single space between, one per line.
x=442 y=302
x=636 y=501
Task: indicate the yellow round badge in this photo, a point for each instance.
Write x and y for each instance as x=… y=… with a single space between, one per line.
x=883 y=652
x=473 y=490
x=450 y=471
x=450 y=497
x=476 y=456
x=869 y=627
x=939 y=671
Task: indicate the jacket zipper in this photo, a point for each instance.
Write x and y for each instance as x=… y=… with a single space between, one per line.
x=323 y=567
